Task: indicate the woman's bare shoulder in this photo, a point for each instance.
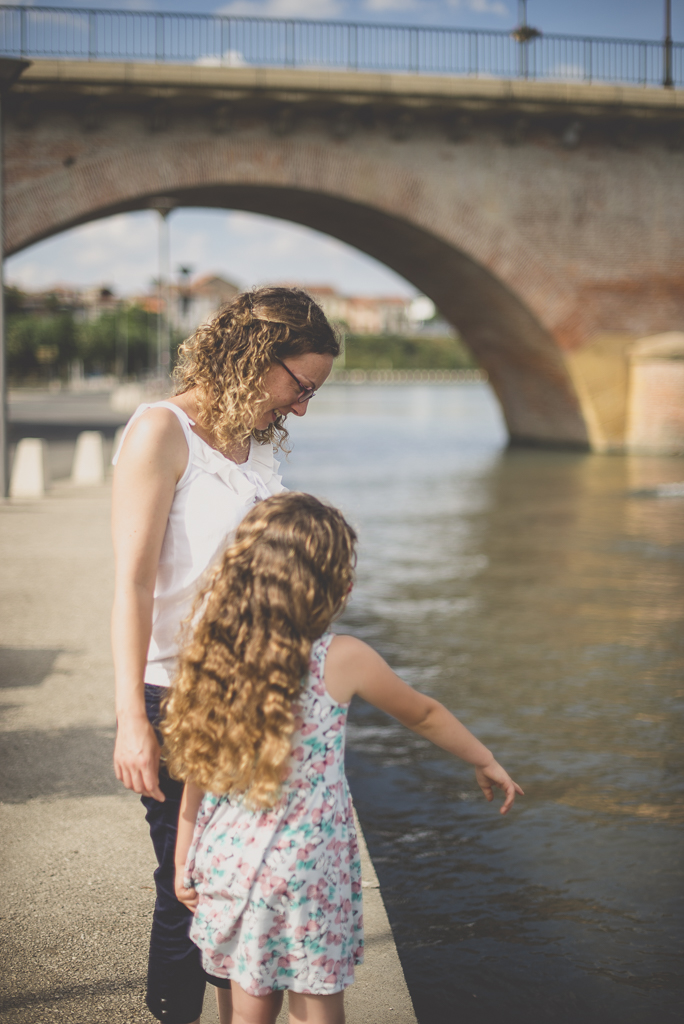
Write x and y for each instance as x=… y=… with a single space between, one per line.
x=158 y=436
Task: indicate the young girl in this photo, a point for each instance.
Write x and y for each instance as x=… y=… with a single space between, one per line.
x=266 y=855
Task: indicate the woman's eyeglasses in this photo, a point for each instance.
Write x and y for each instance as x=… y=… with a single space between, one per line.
x=304 y=393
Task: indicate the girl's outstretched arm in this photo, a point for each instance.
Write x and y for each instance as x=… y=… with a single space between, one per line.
x=187 y=816
x=352 y=667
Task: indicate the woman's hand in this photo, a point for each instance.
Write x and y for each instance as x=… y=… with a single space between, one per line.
x=188 y=897
x=494 y=774
x=136 y=757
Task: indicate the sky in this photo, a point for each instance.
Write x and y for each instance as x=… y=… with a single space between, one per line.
x=250 y=249
x=629 y=18
x=633 y=19
x=244 y=248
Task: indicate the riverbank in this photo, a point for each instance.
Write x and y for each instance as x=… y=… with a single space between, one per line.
x=78 y=863
x=58 y=416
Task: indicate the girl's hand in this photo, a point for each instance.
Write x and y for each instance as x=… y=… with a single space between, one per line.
x=190 y=803
x=493 y=773
x=188 y=897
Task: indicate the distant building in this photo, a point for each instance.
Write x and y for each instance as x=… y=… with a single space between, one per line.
x=331 y=302
x=378 y=314
x=97 y=300
x=84 y=303
x=194 y=303
x=149 y=302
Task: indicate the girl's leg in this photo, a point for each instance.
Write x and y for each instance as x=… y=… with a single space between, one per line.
x=254 y=1009
x=316 y=1009
x=224 y=1002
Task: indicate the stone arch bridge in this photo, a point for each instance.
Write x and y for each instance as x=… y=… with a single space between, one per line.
x=546 y=221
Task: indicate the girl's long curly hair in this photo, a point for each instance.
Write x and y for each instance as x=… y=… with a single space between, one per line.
x=228 y=716
x=227 y=358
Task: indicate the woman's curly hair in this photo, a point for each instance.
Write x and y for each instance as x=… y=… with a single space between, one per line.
x=227 y=358
x=228 y=716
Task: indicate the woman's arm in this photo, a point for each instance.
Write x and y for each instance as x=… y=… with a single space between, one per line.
x=353 y=667
x=151 y=462
x=190 y=804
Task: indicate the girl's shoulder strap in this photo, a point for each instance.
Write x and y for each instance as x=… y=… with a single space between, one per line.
x=319 y=651
x=186 y=423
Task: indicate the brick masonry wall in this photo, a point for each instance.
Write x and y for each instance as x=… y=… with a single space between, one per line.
x=656 y=416
x=529 y=248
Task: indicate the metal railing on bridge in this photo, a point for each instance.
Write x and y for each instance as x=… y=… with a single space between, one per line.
x=240 y=41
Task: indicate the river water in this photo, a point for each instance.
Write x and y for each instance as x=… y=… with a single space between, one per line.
x=540 y=596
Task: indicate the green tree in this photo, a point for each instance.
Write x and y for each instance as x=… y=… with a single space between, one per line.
x=138 y=333
x=122 y=341
x=404 y=352
x=40 y=344
x=97 y=343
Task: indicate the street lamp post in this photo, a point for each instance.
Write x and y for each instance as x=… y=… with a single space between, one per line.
x=667 y=47
x=522 y=22
x=184 y=296
x=163 y=205
x=122 y=342
x=9 y=73
x=523 y=35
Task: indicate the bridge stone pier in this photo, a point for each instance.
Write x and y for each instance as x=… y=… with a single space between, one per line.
x=546 y=221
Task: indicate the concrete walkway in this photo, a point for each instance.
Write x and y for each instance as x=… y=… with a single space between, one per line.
x=77 y=862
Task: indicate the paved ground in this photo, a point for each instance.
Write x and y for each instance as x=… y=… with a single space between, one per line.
x=77 y=863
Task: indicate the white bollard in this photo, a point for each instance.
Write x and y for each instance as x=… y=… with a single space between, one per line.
x=29 y=476
x=88 y=467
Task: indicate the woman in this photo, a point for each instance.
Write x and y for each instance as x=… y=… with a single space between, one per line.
x=187 y=472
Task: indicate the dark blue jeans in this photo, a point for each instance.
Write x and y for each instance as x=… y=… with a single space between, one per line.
x=175 y=978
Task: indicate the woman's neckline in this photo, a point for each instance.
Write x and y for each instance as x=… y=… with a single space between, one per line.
x=193 y=423
x=211 y=448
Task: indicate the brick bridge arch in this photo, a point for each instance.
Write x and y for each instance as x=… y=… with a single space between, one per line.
x=357 y=201
x=524 y=237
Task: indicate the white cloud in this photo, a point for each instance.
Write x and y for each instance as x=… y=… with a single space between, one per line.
x=393 y=5
x=482 y=7
x=246 y=248
x=312 y=9
x=120 y=251
x=565 y=71
x=230 y=59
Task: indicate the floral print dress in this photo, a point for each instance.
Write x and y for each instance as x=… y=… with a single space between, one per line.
x=280 y=889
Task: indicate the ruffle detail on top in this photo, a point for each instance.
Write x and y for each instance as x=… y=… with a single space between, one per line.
x=252 y=481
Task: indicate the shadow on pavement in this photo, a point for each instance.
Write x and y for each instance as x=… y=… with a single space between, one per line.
x=22 y=667
x=64 y=762
x=50 y=998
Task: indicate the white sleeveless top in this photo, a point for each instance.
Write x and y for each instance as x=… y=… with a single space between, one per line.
x=212 y=497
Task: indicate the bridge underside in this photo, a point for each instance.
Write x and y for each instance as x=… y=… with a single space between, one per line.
x=525 y=368
x=524 y=365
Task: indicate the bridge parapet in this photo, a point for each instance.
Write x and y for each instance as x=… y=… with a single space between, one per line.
x=569 y=113
x=44 y=32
